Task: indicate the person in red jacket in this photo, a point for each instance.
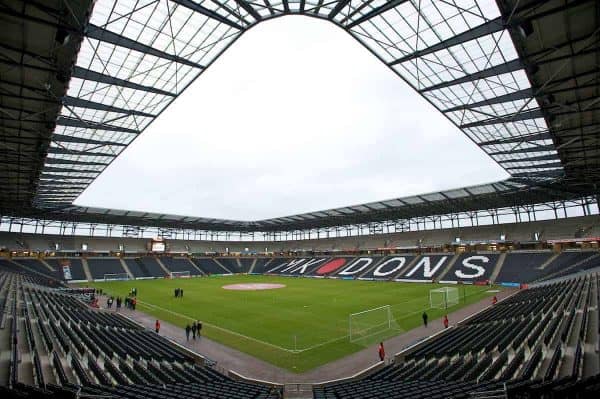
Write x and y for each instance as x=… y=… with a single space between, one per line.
x=445 y=321
x=157 y=326
x=494 y=300
x=381 y=352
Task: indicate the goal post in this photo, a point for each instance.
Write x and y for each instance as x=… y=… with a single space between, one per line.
x=370 y=322
x=184 y=274
x=443 y=298
x=116 y=276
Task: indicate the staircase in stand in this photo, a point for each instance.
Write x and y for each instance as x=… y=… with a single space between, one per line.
x=498 y=266
x=126 y=268
x=86 y=269
x=143 y=267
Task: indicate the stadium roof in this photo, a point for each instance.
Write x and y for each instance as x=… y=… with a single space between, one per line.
x=77 y=86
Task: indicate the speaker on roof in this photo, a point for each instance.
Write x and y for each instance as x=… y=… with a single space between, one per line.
x=548 y=99
x=62 y=36
x=526 y=28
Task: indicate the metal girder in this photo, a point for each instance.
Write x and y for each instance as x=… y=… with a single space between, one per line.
x=542 y=173
x=59 y=161
x=537 y=148
x=491 y=26
x=66 y=151
x=338 y=8
x=55 y=196
x=548 y=157
x=104 y=35
x=249 y=9
x=518 y=139
x=72 y=139
x=68 y=170
x=78 y=102
x=82 y=73
x=79 y=123
x=64 y=177
x=563 y=7
x=209 y=13
x=62 y=183
x=521 y=116
x=514 y=96
x=8 y=11
x=37 y=57
x=496 y=70
x=375 y=12
x=30 y=66
x=553 y=164
x=66 y=191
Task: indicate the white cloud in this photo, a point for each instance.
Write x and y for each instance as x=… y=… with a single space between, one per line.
x=296 y=116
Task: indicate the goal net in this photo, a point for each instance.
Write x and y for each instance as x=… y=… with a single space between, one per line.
x=185 y=274
x=116 y=276
x=443 y=298
x=371 y=322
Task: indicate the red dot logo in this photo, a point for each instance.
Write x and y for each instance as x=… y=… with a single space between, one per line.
x=331 y=266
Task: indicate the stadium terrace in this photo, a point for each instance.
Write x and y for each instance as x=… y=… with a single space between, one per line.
x=485 y=290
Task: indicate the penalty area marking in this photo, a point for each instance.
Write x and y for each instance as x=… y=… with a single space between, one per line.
x=252 y=286
x=242 y=335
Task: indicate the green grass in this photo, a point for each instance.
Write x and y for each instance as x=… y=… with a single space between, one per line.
x=299 y=327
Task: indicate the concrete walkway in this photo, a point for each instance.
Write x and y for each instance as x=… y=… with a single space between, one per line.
x=251 y=367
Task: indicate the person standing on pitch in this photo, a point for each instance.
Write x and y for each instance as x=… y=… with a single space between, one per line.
x=198 y=327
x=157 y=326
x=194 y=330
x=425 y=317
x=445 y=321
x=381 y=352
x=187 y=332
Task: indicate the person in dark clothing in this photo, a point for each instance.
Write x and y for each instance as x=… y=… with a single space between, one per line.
x=194 y=326
x=275 y=392
x=381 y=352
x=198 y=328
x=425 y=317
x=176 y=292
x=188 y=329
x=181 y=293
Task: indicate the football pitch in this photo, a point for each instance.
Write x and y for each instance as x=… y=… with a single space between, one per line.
x=298 y=327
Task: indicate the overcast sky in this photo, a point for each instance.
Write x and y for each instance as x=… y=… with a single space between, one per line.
x=295 y=117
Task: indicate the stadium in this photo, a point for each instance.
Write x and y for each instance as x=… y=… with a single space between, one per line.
x=482 y=291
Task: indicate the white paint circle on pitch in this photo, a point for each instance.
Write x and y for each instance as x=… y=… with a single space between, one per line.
x=252 y=286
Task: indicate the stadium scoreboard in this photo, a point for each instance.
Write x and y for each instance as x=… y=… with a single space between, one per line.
x=158 y=245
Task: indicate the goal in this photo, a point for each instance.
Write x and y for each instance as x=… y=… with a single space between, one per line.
x=185 y=274
x=370 y=322
x=443 y=298
x=116 y=276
